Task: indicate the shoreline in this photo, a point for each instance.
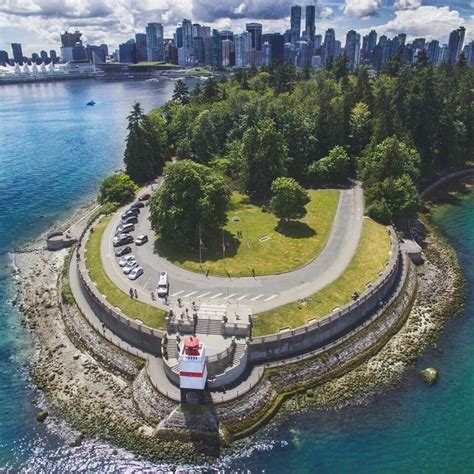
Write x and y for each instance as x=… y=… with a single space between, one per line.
x=74 y=362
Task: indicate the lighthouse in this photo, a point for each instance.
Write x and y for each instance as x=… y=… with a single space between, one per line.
x=192 y=367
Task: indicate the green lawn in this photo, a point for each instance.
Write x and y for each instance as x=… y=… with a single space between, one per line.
x=150 y=315
x=288 y=247
x=370 y=258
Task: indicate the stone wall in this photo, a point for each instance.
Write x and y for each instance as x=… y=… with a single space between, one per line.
x=317 y=333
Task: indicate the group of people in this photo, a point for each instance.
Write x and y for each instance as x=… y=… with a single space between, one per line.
x=133 y=293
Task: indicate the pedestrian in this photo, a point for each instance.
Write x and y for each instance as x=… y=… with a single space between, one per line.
x=136 y=293
x=179 y=302
x=131 y=292
x=187 y=316
x=153 y=296
x=166 y=299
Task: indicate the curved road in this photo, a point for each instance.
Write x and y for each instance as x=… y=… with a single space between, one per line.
x=258 y=294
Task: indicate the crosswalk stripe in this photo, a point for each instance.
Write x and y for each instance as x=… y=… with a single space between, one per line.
x=189 y=294
x=229 y=297
x=242 y=297
x=204 y=294
x=270 y=298
x=256 y=297
x=216 y=296
x=177 y=293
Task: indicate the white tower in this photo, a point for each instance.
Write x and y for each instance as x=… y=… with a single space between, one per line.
x=192 y=366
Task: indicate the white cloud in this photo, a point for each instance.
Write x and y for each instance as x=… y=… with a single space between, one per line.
x=361 y=8
x=407 y=4
x=326 y=13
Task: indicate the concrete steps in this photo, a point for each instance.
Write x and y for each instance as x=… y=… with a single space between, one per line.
x=209 y=326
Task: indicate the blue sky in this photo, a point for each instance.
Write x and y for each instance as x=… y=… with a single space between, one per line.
x=37 y=24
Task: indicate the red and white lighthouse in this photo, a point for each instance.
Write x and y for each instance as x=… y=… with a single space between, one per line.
x=192 y=365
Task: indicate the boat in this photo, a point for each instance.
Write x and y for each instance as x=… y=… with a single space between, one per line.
x=91 y=102
x=152 y=79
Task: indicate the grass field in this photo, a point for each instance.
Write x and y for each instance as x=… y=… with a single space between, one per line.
x=283 y=247
x=133 y=308
x=370 y=258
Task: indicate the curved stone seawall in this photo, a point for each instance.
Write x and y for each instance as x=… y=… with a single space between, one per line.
x=316 y=334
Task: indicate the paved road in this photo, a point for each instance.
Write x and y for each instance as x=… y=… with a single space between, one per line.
x=258 y=294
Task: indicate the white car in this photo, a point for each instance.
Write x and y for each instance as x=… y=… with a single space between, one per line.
x=125 y=259
x=130 y=266
x=163 y=286
x=135 y=273
x=141 y=239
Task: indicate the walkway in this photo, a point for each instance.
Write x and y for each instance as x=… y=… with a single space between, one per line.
x=260 y=293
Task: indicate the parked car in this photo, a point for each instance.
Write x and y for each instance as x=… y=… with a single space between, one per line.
x=144 y=197
x=130 y=212
x=123 y=251
x=128 y=258
x=129 y=266
x=135 y=273
x=163 y=285
x=125 y=228
x=137 y=205
x=122 y=239
x=141 y=239
x=130 y=220
x=133 y=210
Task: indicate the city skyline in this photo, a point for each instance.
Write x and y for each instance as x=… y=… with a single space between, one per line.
x=21 y=24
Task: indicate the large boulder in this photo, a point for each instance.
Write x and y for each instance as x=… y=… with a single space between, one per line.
x=41 y=416
x=429 y=375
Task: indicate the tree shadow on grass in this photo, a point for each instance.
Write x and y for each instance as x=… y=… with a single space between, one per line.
x=295 y=229
x=211 y=253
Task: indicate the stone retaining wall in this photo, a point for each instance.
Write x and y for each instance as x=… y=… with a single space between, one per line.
x=321 y=332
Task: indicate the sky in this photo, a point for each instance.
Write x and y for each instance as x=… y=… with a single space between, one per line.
x=37 y=24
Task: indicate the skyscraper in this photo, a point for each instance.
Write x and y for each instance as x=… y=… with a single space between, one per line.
x=188 y=45
x=329 y=45
x=353 y=49
x=154 y=42
x=310 y=26
x=433 y=52
x=69 y=40
x=456 y=41
x=255 y=29
x=128 y=52
x=295 y=23
x=17 y=52
x=141 y=49
x=243 y=44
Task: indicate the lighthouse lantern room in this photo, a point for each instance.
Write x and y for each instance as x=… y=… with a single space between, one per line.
x=192 y=366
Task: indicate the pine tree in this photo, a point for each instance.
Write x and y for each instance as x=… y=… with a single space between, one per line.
x=181 y=92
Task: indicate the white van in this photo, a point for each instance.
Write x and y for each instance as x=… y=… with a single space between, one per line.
x=163 y=285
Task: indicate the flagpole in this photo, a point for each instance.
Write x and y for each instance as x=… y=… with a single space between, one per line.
x=200 y=246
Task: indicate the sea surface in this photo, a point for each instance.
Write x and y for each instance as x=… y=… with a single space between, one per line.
x=54 y=150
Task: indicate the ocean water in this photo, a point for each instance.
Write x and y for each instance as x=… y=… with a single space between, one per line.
x=54 y=150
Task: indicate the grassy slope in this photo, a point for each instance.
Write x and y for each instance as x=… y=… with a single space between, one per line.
x=370 y=258
x=288 y=248
x=133 y=308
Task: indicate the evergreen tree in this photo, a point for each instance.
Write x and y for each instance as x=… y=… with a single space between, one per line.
x=181 y=92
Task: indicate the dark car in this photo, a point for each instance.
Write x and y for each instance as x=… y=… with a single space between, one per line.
x=122 y=240
x=137 y=205
x=133 y=210
x=130 y=213
x=130 y=220
x=144 y=197
x=122 y=251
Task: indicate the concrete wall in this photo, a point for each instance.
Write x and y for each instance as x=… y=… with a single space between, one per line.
x=316 y=334
x=231 y=374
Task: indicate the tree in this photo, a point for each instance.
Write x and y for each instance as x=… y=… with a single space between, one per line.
x=117 y=188
x=264 y=154
x=360 y=127
x=332 y=169
x=146 y=146
x=288 y=199
x=181 y=92
x=192 y=198
x=390 y=159
x=210 y=90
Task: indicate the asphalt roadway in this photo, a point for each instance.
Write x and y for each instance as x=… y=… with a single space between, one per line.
x=258 y=294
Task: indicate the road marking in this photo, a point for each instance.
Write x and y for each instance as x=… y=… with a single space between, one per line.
x=204 y=294
x=216 y=296
x=189 y=294
x=256 y=297
x=270 y=298
x=177 y=293
x=229 y=297
x=242 y=297
x=146 y=284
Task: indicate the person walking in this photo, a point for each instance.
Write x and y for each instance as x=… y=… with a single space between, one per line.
x=131 y=292
x=136 y=293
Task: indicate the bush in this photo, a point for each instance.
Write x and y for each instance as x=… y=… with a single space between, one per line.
x=332 y=169
x=117 y=188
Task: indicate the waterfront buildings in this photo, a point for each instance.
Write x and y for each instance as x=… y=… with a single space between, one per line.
x=154 y=42
x=456 y=41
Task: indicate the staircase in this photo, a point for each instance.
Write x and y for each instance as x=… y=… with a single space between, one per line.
x=209 y=326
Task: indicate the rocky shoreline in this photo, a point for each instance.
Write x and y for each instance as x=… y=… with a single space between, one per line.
x=104 y=392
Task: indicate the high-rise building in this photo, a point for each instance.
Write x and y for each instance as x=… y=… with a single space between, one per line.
x=17 y=52
x=295 y=24
x=216 y=49
x=140 y=46
x=198 y=44
x=353 y=49
x=267 y=52
x=329 y=45
x=470 y=54
x=78 y=52
x=456 y=41
x=4 y=59
x=128 y=52
x=242 y=44
x=154 y=42
x=96 y=54
x=255 y=29
x=310 y=26
x=277 y=42
x=227 y=45
x=69 y=40
x=178 y=37
x=205 y=32
x=433 y=52
x=188 y=46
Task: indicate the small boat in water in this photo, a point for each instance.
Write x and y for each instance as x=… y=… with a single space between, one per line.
x=91 y=102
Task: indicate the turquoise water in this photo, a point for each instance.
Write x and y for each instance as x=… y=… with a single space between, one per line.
x=53 y=152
